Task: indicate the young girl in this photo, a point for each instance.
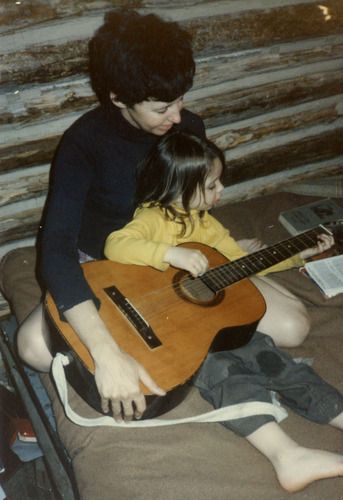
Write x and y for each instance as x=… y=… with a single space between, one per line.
x=177 y=184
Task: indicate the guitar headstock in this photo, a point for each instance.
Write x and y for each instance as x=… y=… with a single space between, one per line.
x=334 y=226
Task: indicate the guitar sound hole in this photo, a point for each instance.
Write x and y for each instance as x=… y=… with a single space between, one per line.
x=196 y=291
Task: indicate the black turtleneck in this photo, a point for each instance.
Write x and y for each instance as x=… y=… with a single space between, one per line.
x=91 y=195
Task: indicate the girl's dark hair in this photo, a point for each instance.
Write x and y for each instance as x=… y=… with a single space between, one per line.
x=176 y=166
x=138 y=57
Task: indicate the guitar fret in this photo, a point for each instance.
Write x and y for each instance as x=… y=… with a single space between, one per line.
x=221 y=277
x=247 y=267
x=210 y=281
x=261 y=262
x=219 y=280
x=274 y=255
x=227 y=274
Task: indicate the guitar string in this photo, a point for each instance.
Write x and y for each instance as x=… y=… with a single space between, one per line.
x=233 y=271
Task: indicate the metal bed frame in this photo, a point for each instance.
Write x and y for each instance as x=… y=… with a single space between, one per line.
x=27 y=383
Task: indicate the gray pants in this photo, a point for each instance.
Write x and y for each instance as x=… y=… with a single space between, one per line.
x=251 y=372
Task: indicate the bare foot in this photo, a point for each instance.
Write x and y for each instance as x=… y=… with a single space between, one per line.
x=251 y=245
x=300 y=466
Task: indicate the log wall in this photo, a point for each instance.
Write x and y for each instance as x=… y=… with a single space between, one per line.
x=268 y=85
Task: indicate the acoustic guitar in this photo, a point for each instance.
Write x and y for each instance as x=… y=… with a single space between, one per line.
x=169 y=321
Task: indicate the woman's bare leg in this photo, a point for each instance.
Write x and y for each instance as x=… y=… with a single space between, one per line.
x=286 y=319
x=33 y=341
x=295 y=466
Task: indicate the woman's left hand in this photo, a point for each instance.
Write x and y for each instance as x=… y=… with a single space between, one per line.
x=325 y=241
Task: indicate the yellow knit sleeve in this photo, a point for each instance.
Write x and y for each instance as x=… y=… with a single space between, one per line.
x=140 y=242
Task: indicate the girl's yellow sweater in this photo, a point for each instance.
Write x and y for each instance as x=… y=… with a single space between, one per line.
x=145 y=240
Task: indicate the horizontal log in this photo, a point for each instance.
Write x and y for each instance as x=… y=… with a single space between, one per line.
x=20 y=225
x=51 y=50
x=26 y=104
x=256 y=28
x=294 y=119
x=250 y=97
x=29 y=183
x=34 y=144
x=29 y=103
x=24 y=224
x=22 y=146
x=280 y=180
x=28 y=153
x=23 y=14
x=315 y=80
x=24 y=184
x=230 y=66
x=319 y=143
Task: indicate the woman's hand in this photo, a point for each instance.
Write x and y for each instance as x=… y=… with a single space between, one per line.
x=118 y=376
x=188 y=259
x=325 y=241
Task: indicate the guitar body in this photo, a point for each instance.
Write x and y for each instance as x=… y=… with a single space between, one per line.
x=172 y=329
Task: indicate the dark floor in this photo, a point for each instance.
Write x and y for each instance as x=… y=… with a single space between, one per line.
x=23 y=477
x=25 y=411
x=27 y=481
x=20 y=480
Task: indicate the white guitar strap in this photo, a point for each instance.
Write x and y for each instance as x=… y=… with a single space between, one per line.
x=219 y=415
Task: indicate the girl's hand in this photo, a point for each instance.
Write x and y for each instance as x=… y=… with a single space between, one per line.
x=325 y=241
x=188 y=259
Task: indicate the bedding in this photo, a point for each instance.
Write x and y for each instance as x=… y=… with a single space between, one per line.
x=200 y=460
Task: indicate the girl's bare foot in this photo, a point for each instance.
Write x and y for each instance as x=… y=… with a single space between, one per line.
x=299 y=467
x=295 y=466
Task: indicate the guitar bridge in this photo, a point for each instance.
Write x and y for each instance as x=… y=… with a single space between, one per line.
x=130 y=312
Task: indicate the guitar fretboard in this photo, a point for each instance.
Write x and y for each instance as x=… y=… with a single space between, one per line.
x=227 y=274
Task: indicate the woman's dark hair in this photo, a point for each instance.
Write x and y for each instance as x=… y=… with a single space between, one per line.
x=138 y=57
x=176 y=166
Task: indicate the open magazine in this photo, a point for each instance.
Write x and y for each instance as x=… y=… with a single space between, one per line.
x=328 y=274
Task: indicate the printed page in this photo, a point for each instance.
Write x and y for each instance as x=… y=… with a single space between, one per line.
x=328 y=274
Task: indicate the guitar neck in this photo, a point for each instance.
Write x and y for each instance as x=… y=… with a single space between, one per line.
x=220 y=277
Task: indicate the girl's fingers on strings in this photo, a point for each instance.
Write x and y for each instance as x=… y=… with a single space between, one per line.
x=200 y=263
